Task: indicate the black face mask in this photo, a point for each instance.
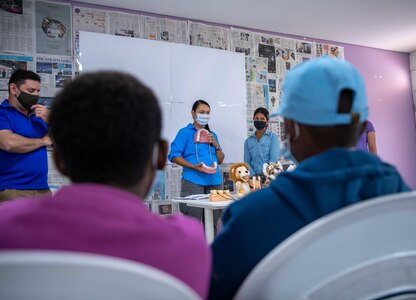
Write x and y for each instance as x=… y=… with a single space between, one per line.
x=259 y=124
x=27 y=100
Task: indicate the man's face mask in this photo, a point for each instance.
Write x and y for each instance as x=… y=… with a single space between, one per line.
x=27 y=100
x=259 y=124
x=285 y=151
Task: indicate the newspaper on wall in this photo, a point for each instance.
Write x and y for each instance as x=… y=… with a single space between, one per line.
x=54 y=73
x=264 y=39
x=17 y=31
x=55 y=179
x=329 y=50
x=285 y=56
x=276 y=125
x=257 y=96
x=124 y=24
x=163 y=29
x=90 y=19
x=257 y=91
x=157 y=191
x=272 y=80
x=87 y=19
x=9 y=64
x=303 y=50
x=268 y=51
x=264 y=46
x=208 y=36
x=242 y=41
x=256 y=69
x=53 y=28
x=274 y=102
x=275 y=97
x=173 y=179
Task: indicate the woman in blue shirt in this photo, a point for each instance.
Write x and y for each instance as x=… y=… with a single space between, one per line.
x=263 y=146
x=197 y=150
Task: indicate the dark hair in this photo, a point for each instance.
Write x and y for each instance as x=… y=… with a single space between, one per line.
x=338 y=135
x=198 y=103
x=195 y=106
x=261 y=110
x=20 y=76
x=104 y=126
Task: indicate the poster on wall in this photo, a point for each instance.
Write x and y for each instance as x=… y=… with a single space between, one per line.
x=256 y=69
x=124 y=24
x=54 y=73
x=329 y=50
x=89 y=19
x=303 y=51
x=16 y=27
x=163 y=29
x=208 y=36
x=242 y=41
x=53 y=28
x=9 y=64
x=157 y=190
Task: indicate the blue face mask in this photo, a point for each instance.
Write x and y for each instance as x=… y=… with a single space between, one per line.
x=202 y=119
x=285 y=151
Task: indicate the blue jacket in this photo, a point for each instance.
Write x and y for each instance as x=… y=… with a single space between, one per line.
x=254 y=225
x=23 y=171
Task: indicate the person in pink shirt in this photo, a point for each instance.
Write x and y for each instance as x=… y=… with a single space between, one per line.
x=106 y=131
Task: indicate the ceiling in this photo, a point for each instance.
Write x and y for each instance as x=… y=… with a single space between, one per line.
x=384 y=24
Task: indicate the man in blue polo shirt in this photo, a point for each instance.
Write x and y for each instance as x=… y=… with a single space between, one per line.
x=23 y=139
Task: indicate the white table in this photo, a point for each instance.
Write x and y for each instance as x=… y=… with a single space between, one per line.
x=209 y=207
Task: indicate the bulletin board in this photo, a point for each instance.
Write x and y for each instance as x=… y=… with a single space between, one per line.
x=179 y=75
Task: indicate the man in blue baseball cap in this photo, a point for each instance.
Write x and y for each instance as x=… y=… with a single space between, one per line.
x=325 y=109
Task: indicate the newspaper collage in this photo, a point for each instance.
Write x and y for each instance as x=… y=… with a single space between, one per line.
x=43 y=36
x=268 y=59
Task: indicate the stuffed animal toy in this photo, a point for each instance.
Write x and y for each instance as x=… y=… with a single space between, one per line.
x=240 y=174
x=270 y=171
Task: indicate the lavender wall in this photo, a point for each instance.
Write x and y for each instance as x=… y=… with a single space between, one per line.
x=389 y=91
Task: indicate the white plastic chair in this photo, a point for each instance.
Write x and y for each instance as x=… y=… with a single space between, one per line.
x=51 y=275
x=364 y=251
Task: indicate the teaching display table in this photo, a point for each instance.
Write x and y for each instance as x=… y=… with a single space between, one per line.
x=209 y=208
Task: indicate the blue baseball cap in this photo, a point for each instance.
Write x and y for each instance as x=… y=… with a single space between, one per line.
x=311 y=93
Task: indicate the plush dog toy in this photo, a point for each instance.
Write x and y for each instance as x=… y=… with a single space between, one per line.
x=271 y=170
x=240 y=174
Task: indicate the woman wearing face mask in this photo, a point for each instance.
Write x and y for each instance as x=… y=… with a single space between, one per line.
x=263 y=146
x=196 y=148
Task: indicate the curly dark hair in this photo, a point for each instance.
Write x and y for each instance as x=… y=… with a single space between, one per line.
x=104 y=126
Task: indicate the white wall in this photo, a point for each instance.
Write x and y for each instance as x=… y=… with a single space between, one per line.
x=179 y=75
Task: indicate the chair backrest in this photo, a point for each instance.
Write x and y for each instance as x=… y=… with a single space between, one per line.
x=51 y=275
x=364 y=251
